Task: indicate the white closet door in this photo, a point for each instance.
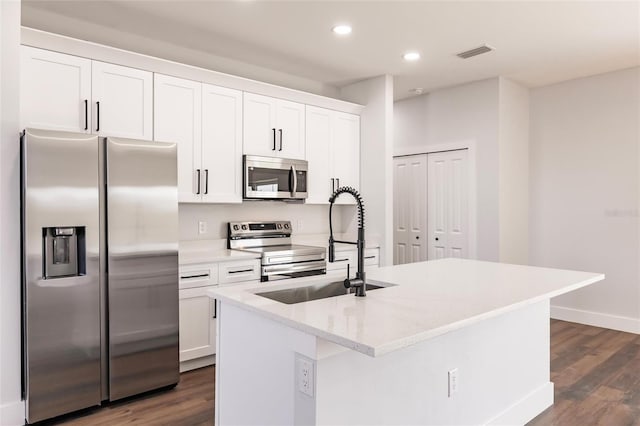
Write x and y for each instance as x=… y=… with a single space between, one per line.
x=55 y=91
x=447 y=202
x=122 y=101
x=410 y=209
x=221 y=144
x=177 y=118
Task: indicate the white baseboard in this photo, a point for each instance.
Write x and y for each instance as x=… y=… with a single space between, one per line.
x=12 y=414
x=597 y=319
x=192 y=364
x=526 y=409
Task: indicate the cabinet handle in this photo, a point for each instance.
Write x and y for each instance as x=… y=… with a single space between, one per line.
x=333 y=185
x=280 y=130
x=338 y=182
x=274 y=139
x=215 y=309
x=340 y=260
x=86 y=114
x=206 y=181
x=369 y=257
x=98 y=116
x=239 y=271
x=198 y=179
x=190 y=277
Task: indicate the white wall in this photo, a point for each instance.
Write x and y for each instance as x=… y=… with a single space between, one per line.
x=11 y=408
x=462 y=113
x=313 y=218
x=376 y=151
x=585 y=192
x=514 y=172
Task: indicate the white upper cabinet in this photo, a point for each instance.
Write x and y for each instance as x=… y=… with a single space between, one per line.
x=65 y=92
x=333 y=151
x=291 y=129
x=122 y=101
x=346 y=149
x=55 y=91
x=177 y=118
x=206 y=122
x=273 y=127
x=318 y=151
x=221 y=144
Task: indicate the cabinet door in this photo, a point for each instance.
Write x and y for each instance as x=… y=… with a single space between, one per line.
x=221 y=144
x=259 y=130
x=197 y=324
x=290 y=129
x=318 y=140
x=55 y=91
x=122 y=101
x=345 y=151
x=177 y=118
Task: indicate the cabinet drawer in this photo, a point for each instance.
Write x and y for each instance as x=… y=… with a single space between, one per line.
x=233 y=272
x=198 y=275
x=342 y=259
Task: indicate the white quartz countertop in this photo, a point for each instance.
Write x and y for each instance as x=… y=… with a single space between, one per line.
x=421 y=301
x=209 y=251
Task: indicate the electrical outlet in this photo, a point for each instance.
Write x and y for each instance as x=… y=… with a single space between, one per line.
x=453 y=382
x=305 y=375
x=202 y=227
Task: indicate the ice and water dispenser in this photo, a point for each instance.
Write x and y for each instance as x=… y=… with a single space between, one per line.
x=64 y=251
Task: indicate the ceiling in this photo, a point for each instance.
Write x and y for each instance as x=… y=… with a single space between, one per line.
x=537 y=42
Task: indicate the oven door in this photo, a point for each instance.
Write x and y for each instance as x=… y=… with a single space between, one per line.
x=274 y=178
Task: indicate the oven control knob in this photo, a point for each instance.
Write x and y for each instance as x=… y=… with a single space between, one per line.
x=279 y=226
x=286 y=226
x=235 y=227
x=244 y=227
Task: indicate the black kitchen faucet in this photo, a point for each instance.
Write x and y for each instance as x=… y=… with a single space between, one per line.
x=359 y=282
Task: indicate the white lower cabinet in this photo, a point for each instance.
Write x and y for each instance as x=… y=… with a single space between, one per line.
x=198 y=311
x=197 y=323
x=349 y=258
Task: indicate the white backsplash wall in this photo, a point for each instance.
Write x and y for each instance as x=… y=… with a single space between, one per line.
x=305 y=219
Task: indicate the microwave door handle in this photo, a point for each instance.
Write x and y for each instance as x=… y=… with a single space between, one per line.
x=294 y=187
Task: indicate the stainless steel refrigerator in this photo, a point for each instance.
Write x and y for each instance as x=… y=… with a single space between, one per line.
x=100 y=269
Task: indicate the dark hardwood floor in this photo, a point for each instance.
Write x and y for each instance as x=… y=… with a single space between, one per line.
x=596 y=374
x=189 y=403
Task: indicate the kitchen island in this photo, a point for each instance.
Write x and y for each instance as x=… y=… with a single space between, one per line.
x=450 y=341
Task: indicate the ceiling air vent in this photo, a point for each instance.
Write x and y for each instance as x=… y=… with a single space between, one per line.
x=475 y=52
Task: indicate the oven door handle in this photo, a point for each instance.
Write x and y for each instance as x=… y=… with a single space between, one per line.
x=293 y=182
x=320 y=266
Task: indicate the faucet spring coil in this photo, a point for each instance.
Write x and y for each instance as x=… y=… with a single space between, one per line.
x=356 y=195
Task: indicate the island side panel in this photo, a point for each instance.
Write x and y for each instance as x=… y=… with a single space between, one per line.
x=255 y=374
x=503 y=374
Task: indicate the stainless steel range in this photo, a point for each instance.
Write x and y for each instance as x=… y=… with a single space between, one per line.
x=280 y=259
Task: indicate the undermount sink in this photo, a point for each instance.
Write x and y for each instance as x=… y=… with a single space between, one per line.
x=311 y=292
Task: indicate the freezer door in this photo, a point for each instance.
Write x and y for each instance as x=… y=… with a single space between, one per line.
x=60 y=273
x=142 y=265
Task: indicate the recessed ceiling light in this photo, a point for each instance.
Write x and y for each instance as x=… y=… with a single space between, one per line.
x=417 y=91
x=342 y=29
x=411 y=56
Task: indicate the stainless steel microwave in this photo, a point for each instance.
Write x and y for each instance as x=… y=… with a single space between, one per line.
x=273 y=178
